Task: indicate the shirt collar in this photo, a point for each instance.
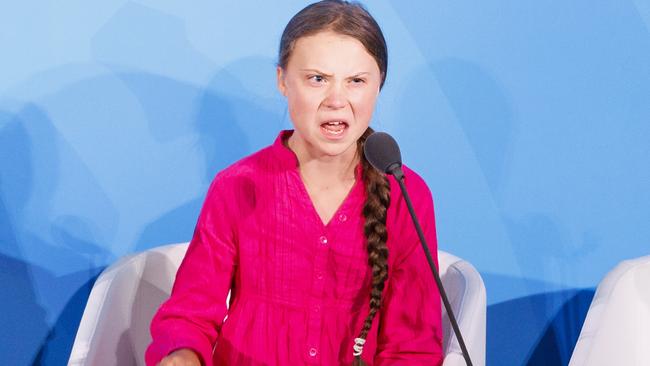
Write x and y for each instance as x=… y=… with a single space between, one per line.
x=285 y=157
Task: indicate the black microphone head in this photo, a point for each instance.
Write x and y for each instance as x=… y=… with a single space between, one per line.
x=382 y=152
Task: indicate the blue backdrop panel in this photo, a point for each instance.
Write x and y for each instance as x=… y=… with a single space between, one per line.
x=528 y=120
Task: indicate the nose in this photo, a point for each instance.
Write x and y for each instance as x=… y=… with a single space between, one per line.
x=335 y=98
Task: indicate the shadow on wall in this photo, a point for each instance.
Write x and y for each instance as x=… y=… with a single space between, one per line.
x=60 y=219
x=21 y=310
x=537 y=329
x=483 y=111
x=527 y=331
x=546 y=236
x=215 y=116
x=44 y=176
x=29 y=153
x=55 y=349
x=229 y=123
x=541 y=329
x=31 y=149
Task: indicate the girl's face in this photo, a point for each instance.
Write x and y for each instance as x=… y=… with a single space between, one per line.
x=331 y=84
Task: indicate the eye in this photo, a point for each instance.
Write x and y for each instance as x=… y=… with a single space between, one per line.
x=358 y=80
x=317 y=79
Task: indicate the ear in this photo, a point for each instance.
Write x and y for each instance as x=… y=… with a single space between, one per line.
x=282 y=87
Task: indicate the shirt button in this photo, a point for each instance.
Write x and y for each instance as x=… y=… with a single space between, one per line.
x=313 y=352
x=316 y=309
x=319 y=275
x=323 y=240
x=343 y=217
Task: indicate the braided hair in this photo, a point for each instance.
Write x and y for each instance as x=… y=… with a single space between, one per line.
x=374 y=229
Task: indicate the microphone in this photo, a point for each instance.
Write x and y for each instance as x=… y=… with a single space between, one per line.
x=382 y=152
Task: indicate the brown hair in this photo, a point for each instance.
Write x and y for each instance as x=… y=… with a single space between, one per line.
x=352 y=19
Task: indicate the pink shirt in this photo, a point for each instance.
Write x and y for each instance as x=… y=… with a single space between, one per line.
x=300 y=288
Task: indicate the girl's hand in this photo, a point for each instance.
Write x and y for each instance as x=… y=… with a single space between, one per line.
x=181 y=357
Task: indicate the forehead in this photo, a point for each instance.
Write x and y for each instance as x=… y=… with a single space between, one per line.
x=333 y=52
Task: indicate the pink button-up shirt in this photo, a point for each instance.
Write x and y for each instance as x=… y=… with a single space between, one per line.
x=300 y=288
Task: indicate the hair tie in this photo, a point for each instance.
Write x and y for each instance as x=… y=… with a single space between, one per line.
x=358 y=346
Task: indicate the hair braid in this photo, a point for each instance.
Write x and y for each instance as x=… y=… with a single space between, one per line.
x=374 y=212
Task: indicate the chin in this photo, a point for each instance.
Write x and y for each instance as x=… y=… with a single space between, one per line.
x=337 y=149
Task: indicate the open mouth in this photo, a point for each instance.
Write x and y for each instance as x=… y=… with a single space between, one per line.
x=333 y=128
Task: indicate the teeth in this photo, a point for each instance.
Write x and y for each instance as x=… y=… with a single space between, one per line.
x=333 y=132
x=333 y=128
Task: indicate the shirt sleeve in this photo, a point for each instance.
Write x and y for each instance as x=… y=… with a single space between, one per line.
x=410 y=325
x=193 y=315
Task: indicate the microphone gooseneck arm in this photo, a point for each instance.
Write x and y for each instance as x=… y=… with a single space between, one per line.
x=382 y=151
x=436 y=275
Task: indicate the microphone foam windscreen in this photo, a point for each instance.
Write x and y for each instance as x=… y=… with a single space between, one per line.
x=382 y=151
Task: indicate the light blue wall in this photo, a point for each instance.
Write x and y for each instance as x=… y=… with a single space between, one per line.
x=530 y=122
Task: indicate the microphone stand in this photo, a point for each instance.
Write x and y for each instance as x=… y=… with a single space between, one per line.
x=396 y=171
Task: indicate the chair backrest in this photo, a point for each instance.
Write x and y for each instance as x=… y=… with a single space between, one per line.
x=616 y=330
x=467 y=297
x=114 y=328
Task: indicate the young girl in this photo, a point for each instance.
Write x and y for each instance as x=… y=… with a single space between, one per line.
x=301 y=231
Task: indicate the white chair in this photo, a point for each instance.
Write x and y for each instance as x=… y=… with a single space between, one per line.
x=114 y=328
x=616 y=330
x=466 y=294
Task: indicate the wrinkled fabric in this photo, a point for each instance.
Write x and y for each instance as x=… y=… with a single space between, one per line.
x=300 y=288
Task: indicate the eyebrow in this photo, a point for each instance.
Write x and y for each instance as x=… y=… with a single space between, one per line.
x=330 y=75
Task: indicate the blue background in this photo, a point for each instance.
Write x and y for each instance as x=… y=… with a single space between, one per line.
x=530 y=121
